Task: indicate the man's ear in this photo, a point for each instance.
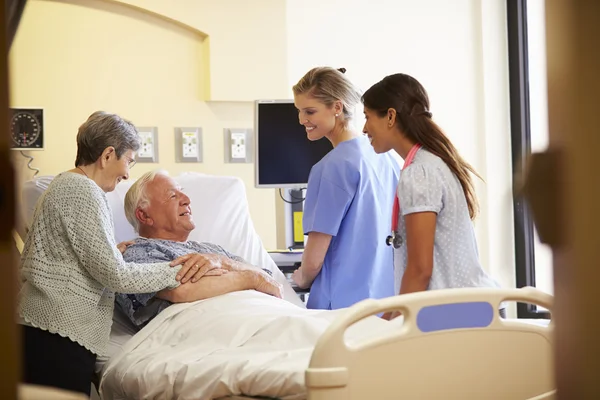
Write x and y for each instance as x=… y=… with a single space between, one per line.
x=106 y=155
x=143 y=217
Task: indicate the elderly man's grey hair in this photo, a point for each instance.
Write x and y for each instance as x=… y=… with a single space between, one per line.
x=102 y=130
x=136 y=196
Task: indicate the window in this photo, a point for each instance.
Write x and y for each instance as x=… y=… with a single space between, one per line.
x=529 y=129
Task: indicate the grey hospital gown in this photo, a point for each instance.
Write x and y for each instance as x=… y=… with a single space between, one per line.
x=429 y=185
x=141 y=308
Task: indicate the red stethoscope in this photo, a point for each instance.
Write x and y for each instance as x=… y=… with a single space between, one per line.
x=394 y=239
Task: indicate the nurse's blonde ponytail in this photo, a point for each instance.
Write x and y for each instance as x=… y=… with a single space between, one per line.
x=329 y=85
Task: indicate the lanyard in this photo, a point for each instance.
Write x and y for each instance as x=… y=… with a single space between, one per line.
x=394 y=238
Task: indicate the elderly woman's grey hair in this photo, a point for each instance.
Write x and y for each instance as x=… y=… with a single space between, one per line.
x=102 y=130
x=136 y=196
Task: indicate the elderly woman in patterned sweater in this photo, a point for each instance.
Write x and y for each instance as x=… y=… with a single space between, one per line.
x=71 y=266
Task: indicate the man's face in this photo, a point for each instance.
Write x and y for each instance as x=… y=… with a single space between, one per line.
x=169 y=209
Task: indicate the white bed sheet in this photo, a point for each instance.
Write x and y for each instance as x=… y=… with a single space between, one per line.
x=121 y=331
x=240 y=343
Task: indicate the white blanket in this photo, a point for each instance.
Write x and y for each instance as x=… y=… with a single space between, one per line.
x=240 y=343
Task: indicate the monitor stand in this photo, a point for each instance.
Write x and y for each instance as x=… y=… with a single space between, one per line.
x=297 y=210
x=292 y=212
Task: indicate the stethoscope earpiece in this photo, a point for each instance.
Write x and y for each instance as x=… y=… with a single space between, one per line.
x=389 y=240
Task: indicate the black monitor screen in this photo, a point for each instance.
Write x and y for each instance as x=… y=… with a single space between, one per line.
x=284 y=155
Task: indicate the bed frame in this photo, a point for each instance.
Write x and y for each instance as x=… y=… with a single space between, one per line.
x=452 y=344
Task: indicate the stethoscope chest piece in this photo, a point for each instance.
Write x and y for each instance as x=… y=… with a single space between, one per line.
x=394 y=240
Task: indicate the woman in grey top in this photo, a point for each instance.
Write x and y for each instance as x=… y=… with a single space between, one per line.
x=71 y=265
x=433 y=236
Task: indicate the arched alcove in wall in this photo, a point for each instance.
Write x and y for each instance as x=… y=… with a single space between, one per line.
x=150 y=65
x=90 y=14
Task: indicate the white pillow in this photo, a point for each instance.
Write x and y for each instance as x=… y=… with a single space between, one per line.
x=30 y=194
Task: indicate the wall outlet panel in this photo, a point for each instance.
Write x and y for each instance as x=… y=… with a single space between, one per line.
x=188 y=145
x=238 y=145
x=148 y=152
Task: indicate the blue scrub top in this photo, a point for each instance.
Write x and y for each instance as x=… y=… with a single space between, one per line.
x=350 y=196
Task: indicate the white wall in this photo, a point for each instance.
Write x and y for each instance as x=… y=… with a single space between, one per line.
x=457 y=49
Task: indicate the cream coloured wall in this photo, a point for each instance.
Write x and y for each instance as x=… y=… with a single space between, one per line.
x=72 y=58
x=247 y=42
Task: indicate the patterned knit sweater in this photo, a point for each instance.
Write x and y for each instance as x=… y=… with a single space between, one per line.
x=71 y=266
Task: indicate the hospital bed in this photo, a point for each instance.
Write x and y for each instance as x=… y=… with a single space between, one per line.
x=448 y=344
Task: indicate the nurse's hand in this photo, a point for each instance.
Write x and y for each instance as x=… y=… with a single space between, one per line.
x=299 y=279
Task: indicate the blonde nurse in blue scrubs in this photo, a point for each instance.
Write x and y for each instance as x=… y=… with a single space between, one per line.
x=348 y=199
x=432 y=235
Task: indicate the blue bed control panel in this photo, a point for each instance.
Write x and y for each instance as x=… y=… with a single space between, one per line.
x=455 y=316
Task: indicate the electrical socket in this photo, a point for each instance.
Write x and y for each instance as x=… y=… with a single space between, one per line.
x=238 y=145
x=148 y=151
x=188 y=144
x=147 y=147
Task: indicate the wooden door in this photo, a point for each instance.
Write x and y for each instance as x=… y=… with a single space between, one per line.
x=9 y=343
x=573 y=50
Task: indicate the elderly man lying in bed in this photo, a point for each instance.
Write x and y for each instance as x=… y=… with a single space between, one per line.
x=160 y=212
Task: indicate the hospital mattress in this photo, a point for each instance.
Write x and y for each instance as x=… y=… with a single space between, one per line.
x=240 y=343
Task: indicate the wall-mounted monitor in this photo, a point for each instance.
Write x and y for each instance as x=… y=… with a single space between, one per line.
x=283 y=153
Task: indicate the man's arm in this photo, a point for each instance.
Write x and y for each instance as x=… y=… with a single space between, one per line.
x=211 y=286
x=141 y=308
x=218 y=256
x=238 y=264
x=227 y=259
